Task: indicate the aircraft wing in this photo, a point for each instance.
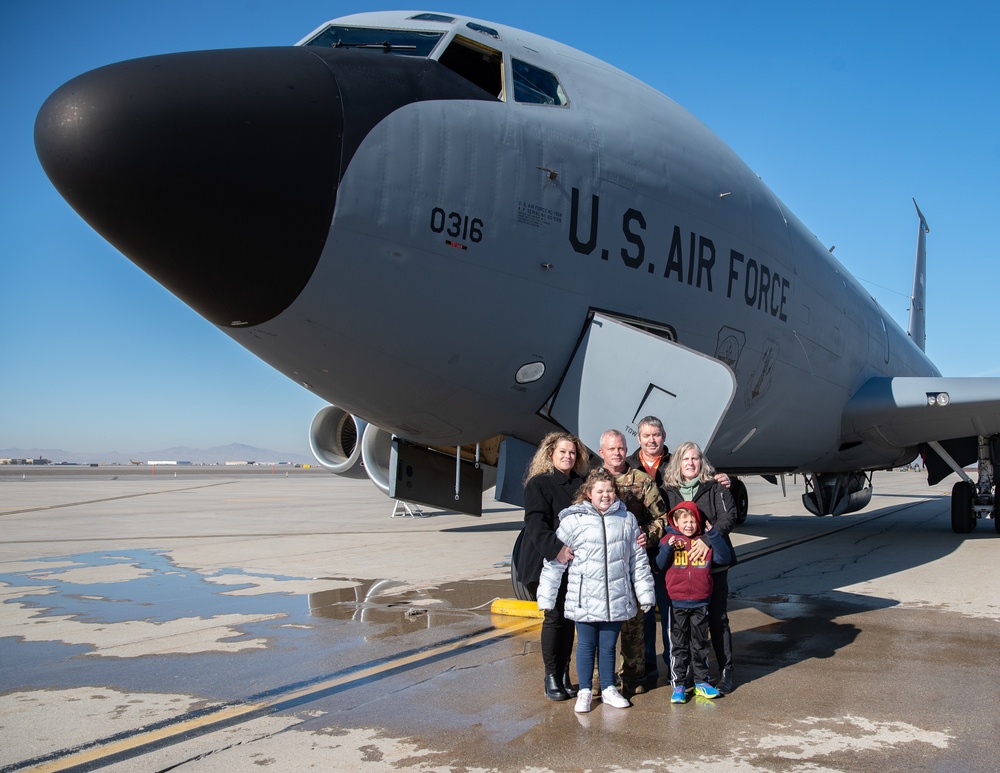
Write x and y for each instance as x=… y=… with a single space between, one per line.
x=913 y=411
x=901 y=412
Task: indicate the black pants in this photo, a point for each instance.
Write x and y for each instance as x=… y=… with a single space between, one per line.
x=688 y=644
x=718 y=621
x=557 y=634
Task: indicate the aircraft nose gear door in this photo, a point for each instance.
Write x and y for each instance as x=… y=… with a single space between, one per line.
x=619 y=374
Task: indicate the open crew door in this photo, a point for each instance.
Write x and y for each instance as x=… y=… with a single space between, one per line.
x=619 y=374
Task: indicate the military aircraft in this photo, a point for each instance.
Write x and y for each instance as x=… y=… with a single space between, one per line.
x=464 y=236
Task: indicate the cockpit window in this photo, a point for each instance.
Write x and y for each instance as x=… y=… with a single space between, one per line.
x=400 y=42
x=477 y=63
x=536 y=86
x=433 y=17
x=488 y=31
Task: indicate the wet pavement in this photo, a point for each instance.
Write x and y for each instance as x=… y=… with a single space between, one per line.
x=214 y=622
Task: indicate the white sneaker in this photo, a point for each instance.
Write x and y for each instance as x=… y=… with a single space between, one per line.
x=611 y=697
x=583 y=699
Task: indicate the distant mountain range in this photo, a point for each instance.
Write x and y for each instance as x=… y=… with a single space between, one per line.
x=234 y=452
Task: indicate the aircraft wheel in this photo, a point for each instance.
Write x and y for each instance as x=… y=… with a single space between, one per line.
x=521 y=591
x=742 y=500
x=963 y=520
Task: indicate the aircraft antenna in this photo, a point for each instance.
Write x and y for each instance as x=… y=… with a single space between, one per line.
x=916 y=328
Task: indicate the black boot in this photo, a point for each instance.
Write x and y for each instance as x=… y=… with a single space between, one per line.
x=553 y=688
x=567 y=685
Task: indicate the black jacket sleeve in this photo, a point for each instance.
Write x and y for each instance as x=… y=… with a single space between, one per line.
x=721 y=552
x=723 y=515
x=541 y=517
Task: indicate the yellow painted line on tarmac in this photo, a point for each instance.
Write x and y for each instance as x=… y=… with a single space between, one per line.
x=90 y=756
x=472 y=641
x=132 y=745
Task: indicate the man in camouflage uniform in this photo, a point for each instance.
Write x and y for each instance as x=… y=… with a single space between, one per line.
x=640 y=494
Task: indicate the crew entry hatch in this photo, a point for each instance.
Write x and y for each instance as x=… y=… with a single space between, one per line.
x=619 y=374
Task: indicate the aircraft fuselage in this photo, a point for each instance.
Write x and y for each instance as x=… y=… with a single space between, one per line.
x=472 y=234
x=475 y=236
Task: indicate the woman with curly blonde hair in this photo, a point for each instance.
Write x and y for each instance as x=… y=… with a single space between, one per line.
x=551 y=483
x=542 y=461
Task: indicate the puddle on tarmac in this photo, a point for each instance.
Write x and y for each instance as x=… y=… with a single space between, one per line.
x=107 y=588
x=58 y=613
x=404 y=608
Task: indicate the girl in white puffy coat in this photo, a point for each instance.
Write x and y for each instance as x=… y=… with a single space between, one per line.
x=609 y=579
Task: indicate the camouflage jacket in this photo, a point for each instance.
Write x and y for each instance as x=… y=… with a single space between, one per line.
x=641 y=496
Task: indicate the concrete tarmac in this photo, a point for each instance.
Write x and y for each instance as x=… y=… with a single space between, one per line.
x=220 y=620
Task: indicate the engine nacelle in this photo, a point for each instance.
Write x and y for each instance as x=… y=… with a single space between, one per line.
x=347 y=445
x=837 y=493
x=334 y=438
x=376 y=450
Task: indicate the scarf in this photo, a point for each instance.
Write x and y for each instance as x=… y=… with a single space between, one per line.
x=689 y=489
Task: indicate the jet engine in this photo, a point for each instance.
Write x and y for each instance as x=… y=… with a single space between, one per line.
x=334 y=438
x=439 y=476
x=349 y=446
x=376 y=448
x=837 y=493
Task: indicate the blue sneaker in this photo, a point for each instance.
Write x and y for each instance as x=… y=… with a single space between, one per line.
x=679 y=695
x=705 y=690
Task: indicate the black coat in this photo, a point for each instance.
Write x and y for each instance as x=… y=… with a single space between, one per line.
x=545 y=496
x=715 y=502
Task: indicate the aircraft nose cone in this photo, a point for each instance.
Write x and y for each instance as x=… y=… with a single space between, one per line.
x=215 y=172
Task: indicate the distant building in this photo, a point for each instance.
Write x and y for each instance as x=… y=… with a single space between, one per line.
x=39 y=460
x=172 y=462
x=238 y=464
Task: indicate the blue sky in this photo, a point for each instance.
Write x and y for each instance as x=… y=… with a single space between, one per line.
x=846 y=110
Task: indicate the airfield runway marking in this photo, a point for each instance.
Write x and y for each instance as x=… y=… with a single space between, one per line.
x=140 y=741
x=112 y=499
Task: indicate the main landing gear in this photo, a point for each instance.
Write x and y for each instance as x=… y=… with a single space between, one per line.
x=972 y=501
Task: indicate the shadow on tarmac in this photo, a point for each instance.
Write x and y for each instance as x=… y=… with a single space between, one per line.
x=804 y=606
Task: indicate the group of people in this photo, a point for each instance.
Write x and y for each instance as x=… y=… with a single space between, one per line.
x=602 y=548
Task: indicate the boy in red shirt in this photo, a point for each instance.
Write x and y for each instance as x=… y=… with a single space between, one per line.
x=689 y=586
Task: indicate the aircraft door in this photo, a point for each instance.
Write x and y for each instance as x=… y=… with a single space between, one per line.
x=619 y=374
x=873 y=320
